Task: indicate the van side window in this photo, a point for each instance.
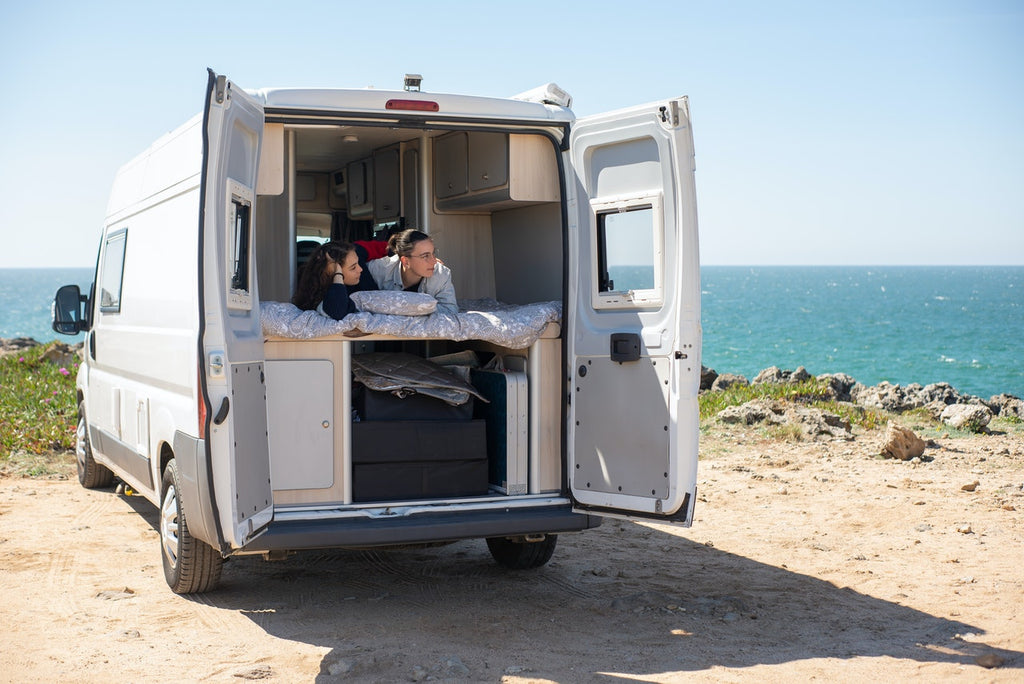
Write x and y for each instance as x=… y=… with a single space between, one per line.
x=112 y=271
x=239 y=248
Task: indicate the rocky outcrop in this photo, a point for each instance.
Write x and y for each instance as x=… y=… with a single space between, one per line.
x=1006 y=405
x=774 y=375
x=901 y=443
x=813 y=422
x=707 y=378
x=726 y=379
x=839 y=385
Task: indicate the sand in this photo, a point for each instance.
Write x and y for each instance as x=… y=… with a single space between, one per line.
x=809 y=560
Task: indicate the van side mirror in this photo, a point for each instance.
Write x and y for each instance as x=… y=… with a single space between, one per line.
x=67 y=311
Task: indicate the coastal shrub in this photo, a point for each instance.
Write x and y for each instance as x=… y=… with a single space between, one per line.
x=807 y=392
x=37 y=402
x=812 y=392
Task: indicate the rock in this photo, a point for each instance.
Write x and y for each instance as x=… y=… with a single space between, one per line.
x=989 y=660
x=817 y=423
x=938 y=392
x=972 y=417
x=707 y=377
x=839 y=385
x=16 y=344
x=752 y=412
x=1006 y=405
x=813 y=422
x=901 y=443
x=887 y=397
x=726 y=379
x=775 y=376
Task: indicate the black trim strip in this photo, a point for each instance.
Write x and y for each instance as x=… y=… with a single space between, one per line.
x=124 y=455
x=682 y=514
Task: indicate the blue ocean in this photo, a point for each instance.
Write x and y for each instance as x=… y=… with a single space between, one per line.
x=962 y=325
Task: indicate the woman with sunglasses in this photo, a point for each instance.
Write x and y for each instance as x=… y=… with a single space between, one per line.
x=413 y=266
x=328 y=277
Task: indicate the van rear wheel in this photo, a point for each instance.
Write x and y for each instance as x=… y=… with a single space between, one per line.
x=190 y=565
x=91 y=474
x=517 y=554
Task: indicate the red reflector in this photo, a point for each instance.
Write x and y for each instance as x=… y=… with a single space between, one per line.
x=414 y=105
x=202 y=404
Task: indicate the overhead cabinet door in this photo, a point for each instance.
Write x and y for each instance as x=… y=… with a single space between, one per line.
x=634 y=338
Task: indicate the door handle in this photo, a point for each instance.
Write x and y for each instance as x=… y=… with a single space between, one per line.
x=625 y=347
x=222 y=412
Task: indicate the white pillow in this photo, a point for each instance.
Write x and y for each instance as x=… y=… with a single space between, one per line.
x=397 y=302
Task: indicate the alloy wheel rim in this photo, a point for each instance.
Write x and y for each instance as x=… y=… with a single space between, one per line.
x=169 y=526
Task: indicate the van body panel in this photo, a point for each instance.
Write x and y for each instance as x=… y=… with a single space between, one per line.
x=234 y=382
x=632 y=343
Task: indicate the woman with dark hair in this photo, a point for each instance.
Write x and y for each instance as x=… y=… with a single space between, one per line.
x=330 y=274
x=413 y=266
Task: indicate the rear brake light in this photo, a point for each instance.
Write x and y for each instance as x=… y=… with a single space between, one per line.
x=413 y=105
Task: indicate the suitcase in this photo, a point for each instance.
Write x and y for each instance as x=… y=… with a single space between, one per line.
x=508 y=423
x=372 y=405
x=418 y=459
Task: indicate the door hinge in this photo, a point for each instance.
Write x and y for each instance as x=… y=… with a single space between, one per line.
x=670 y=113
x=221 y=89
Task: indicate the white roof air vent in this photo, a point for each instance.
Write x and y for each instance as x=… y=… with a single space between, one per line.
x=549 y=93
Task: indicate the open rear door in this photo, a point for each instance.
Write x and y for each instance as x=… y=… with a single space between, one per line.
x=633 y=344
x=234 y=383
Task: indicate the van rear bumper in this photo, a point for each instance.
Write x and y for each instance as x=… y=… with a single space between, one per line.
x=292 y=531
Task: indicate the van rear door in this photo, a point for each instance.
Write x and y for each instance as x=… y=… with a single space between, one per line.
x=633 y=344
x=233 y=383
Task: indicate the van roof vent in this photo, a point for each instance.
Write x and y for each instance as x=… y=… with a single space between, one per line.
x=549 y=93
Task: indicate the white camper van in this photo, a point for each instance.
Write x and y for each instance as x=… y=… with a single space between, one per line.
x=573 y=248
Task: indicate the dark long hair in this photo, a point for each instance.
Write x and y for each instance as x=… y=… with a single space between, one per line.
x=314 y=278
x=402 y=243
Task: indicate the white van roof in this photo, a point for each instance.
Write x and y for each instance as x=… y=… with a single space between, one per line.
x=372 y=100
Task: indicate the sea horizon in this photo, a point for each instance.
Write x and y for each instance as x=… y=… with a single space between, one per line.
x=902 y=324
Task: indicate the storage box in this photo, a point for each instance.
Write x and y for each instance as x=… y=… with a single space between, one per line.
x=373 y=405
x=508 y=427
x=418 y=459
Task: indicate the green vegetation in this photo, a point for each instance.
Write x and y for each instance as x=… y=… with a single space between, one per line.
x=813 y=392
x=37 y=402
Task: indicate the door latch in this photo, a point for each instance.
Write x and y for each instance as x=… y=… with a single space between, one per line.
x=625 y=347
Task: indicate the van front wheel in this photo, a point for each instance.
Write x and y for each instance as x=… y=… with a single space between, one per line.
x=516 y=554
x=190 y=565
x=91 y=474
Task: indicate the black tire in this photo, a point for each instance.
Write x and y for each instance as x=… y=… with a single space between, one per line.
x=521 y=555
x=91 y=474
x=190 y=565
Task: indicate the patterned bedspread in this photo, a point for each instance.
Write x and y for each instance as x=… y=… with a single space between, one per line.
x=509 y=325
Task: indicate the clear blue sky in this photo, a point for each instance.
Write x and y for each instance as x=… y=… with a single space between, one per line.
x=826 y=132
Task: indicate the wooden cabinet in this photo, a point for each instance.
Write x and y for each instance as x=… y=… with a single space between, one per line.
x=482 y=171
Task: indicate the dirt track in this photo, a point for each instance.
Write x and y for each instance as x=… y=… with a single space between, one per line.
x=805 y=561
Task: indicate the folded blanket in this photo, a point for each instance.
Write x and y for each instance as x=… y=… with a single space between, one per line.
x=509 y=325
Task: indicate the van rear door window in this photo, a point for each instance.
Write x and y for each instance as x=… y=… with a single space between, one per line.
x=629 y=254
x=239 y=252
x=112 y=271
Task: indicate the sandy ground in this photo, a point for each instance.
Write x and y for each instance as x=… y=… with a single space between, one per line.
x=806 y=561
